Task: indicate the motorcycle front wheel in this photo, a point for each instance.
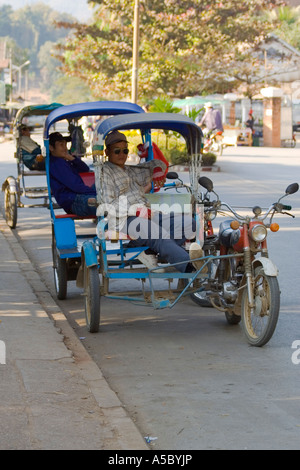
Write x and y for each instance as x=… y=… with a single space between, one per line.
x=260 y=322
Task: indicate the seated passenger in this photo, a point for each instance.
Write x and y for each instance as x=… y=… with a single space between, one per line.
x=31 y=151
x=124 y=189
x=67 y=186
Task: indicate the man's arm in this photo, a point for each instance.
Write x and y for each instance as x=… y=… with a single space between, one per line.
x=62 y=172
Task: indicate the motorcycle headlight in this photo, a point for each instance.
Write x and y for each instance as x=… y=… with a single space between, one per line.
x=258 y=233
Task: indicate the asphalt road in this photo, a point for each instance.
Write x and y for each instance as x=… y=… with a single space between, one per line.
x=186 y=377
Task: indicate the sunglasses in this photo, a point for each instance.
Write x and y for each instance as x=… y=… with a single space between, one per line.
x=118 y=151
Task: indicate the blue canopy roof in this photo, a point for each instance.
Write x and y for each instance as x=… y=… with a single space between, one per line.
x=93 y=108
x=167 y=121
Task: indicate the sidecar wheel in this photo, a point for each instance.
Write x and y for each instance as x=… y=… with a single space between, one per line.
x=259 y=324
x=59 y=272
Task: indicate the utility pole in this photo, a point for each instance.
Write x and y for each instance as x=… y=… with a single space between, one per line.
x=135 y=52
x=10 y=76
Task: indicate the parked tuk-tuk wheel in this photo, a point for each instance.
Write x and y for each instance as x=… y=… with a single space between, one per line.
x=92 y=297
x=60 y=272
x=11 y=207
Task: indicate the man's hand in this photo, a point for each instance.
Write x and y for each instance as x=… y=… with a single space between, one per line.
x=69 y=157
x=159 y=178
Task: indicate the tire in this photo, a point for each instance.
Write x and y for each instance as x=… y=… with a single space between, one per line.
x=92 y=298
x=232 y=318
x=11 y=208
x=260 y=325
x=59 y=272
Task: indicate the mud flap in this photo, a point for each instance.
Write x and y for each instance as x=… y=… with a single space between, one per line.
x=89 y=257
x=268 y=266
x=12 y=183
x=269 y=269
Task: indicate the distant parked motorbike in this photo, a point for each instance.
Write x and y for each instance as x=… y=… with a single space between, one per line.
x=213 y=142
x=242 y=280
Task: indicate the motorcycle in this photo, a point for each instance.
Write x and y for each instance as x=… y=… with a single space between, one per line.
x=213 y=142
x=241 y=279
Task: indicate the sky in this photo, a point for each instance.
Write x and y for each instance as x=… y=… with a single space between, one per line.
x=78 y=8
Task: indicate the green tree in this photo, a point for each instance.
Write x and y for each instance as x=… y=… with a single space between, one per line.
x=30 y=27
x=163 y=104
x=69 y=90
x=186 y=47
x=288 y=21
x=6 y=13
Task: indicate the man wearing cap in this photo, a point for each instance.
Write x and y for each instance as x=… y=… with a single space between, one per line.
x=67 y=186
x=211 y=119
x=124 y=200
x=30 y=150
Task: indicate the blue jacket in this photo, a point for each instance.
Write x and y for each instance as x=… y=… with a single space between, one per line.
x=66 y=182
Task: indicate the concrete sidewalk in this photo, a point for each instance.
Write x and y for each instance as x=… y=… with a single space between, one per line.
x=53 y=396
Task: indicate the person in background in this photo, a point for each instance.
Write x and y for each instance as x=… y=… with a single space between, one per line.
x=67 y=186
x=250 y=121
x=124 y=200
x=212 y=119
x=31 y=151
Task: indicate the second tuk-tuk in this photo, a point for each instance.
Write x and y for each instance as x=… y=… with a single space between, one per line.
x=20 y=191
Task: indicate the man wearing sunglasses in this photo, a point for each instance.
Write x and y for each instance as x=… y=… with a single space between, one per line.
x=124 y=200
x=67 y=185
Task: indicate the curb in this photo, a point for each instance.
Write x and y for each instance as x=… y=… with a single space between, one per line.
x=126 y=435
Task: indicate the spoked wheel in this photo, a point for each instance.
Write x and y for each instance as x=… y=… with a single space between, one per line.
x=259 y=323
x=60 y=272
x=92 y=297
x=11 y=207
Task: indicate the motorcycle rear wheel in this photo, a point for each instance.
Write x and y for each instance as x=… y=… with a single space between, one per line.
x=259 y=325
x=202 y=299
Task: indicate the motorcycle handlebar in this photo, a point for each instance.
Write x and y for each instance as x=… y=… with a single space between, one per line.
x=275 y=207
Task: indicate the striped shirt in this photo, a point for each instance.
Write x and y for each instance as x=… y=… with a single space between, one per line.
x=123 y=190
